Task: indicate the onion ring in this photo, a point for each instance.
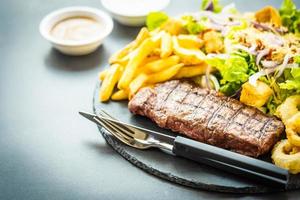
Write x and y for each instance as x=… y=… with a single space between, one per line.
x=284 y=155
x=288 y=108
x=293 y=130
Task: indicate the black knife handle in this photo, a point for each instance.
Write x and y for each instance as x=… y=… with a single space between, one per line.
x=231 y=162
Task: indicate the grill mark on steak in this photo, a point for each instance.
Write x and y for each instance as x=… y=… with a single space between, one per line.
x=208 y=116
x=176 y=99
x=214 y=115
x=232 y=118
x=264 y=127
x=216 y=132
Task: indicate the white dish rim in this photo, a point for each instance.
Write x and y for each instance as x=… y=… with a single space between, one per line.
x=107 y=22
x=163 y=6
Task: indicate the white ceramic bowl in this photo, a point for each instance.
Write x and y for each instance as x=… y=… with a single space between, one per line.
x=133 y=12
x=76 y=47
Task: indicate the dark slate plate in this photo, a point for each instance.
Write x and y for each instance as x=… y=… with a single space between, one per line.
x=172 y=168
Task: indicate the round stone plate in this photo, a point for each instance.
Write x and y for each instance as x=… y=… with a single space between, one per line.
x=175 y=169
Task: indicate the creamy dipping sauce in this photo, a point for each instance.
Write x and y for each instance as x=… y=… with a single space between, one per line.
x=76 y=29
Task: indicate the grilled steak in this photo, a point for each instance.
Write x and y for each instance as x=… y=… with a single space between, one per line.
x=208 y=116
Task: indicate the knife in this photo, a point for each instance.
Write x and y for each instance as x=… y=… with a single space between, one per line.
x=257 y=170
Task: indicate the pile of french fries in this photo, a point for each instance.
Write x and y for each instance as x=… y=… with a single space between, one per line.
x=153 y=57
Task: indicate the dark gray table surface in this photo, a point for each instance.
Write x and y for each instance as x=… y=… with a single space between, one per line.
x=47 y=151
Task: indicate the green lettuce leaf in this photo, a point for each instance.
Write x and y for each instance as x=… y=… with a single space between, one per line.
x=234 y=29
x=287 y=7
x=296 y=59
x=291 y=85
x=271 y=106
x=234 y=71
x=155 y=19
x=193 y=26
x=295 y=73
x=230 y=88
x=290 y=16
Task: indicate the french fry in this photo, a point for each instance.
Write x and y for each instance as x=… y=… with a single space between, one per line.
x=103 y=74
x=164 y=75
x=190 y=41
x=161 y=64
x=141 y=68
x=187 y=56
x=155 y=32
x=137 y=83
x=143 y=34
x=190 y=71
x=155 y=52
x=166 y=45
x=157 y=37
x=120 y=95
x=140 y=54
x=116 y=57
x=109 y=82
x=173 y=26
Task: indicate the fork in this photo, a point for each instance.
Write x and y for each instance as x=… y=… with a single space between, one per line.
x=225 y=160
x=131 y=136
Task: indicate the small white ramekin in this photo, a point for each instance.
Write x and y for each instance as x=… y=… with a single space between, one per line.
x=76 y=48
x=136 y=16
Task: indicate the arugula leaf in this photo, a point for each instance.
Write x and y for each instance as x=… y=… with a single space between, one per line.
x=212 y=5
x=155 y=19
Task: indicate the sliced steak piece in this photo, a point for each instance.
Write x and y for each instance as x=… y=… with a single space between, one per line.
x=208 y=116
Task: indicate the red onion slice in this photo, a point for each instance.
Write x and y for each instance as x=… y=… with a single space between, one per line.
x=220 y=55
x=215 y=81
x=220 y=18
x=260 y=55
x=253 y=78
x=269 y=63
x=209 y=6
x=283 y=66
x=250 y=50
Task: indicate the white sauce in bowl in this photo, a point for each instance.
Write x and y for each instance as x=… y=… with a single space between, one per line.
x=134 y=7
x=76 y=29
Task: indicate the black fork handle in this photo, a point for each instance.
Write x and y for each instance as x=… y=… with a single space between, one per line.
x=231 y=162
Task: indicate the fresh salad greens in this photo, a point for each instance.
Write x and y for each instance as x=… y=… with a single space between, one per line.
x=234 y=71
x=155 y=19
x=260 y=46
x=192 y=26
x=290 y=16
